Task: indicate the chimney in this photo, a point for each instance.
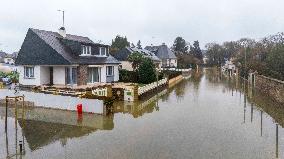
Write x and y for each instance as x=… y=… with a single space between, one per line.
x=62 y=32
x=163 y=43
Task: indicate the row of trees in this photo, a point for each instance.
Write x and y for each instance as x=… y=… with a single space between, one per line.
x=265 y=56
x=186 y=53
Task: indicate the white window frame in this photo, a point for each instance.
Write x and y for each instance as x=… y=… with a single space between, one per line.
x=87 y=50
x=105 y=51
x=107 y=71
x=31 y=72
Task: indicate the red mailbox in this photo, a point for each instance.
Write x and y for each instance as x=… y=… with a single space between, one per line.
x=79 y=109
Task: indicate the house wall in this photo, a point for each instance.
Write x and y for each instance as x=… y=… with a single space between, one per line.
x=106 y=79
x=9 y=60
x=29 y=81
x=44 y=75
x=82 y=74
x=59 y=75
x=169 y=62
x=126 y=65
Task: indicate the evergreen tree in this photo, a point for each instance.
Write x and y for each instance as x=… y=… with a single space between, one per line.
x=196 y=51
x=119 y=42
x=180 y=45
x=139 y=46
x=146 y=71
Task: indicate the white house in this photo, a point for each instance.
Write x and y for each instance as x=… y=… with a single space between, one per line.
x=167 y=56
x=8 y=59
x=57 y=58
x=122 y=56
x=229 y=67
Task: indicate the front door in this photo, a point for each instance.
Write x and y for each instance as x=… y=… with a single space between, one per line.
x=51 y=75
x=94 y=74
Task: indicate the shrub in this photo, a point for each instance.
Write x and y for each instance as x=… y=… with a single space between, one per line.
x=146 y=71
x=127 y=76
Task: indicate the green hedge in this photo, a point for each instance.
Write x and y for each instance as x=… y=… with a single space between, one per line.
x=128 y=76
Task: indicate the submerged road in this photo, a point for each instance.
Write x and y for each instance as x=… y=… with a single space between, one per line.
x=207 y=116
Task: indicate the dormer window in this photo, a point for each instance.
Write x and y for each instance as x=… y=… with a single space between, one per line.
x=103 y=51
x=86 y=50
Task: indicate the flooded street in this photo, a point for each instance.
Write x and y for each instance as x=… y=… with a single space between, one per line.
x=206 y=116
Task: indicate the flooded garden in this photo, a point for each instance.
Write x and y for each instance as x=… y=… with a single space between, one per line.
x=206 y=116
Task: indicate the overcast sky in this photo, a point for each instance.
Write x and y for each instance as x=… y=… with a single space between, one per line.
x=151 y=21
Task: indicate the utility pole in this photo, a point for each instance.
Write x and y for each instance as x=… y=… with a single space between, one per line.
x=62 y=16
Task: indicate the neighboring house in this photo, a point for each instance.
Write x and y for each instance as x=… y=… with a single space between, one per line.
x=2 y=56
x=122 y=56
x=57 y=58
x=8 y=59
x=229 y=67
x=167 y=56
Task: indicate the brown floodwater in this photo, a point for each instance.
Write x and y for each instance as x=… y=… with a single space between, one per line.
x=206 y=116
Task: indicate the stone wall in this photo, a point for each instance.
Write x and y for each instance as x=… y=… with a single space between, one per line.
x=271 y=87
x=82 y=74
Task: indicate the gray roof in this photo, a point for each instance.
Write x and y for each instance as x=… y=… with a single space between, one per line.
x=145 y=53
x=162 y=51
x=123 y=54
x=42 y=47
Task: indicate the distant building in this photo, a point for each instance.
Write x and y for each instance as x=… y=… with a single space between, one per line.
x=167 y=56
x=122 y=56
x=8 y=59
x=229 y=67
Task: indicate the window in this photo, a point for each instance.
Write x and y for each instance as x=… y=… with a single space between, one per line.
x=86 y=50
x=29 y=72
x=71 y=75
x=93 y=74
x=110 y=70
x=103 y=51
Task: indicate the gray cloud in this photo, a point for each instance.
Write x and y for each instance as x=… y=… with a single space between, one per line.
x=151 y=21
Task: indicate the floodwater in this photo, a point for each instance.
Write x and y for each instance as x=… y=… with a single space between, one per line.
x=207 y=116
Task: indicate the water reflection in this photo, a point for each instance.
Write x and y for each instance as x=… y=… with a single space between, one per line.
x=258 y=101
x=231 y=121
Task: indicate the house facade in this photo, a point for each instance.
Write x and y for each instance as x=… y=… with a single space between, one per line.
x=57 y=58
x=167 y=56
x=8 y=59
x=122 y=56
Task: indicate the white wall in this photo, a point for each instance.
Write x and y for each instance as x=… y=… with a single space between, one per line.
x=126 y=65
x=116 y=73
x=9 y=60
x=174 y=62
x=44 y=75
x=103 y=73
x=29 y=81
x=59 y=75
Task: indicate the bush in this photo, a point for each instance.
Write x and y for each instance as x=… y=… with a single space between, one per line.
x=128 y=76
x=146 y=71
x=14 y=76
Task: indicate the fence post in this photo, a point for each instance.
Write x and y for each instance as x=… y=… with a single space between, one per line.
x=6 y=114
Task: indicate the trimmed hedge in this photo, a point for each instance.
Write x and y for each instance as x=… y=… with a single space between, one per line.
x=128 y=76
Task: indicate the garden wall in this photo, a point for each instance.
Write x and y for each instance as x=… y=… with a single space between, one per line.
x=271 y=87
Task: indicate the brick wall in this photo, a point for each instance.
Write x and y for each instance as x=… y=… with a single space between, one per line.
x=82 y=74
x=271 y=87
